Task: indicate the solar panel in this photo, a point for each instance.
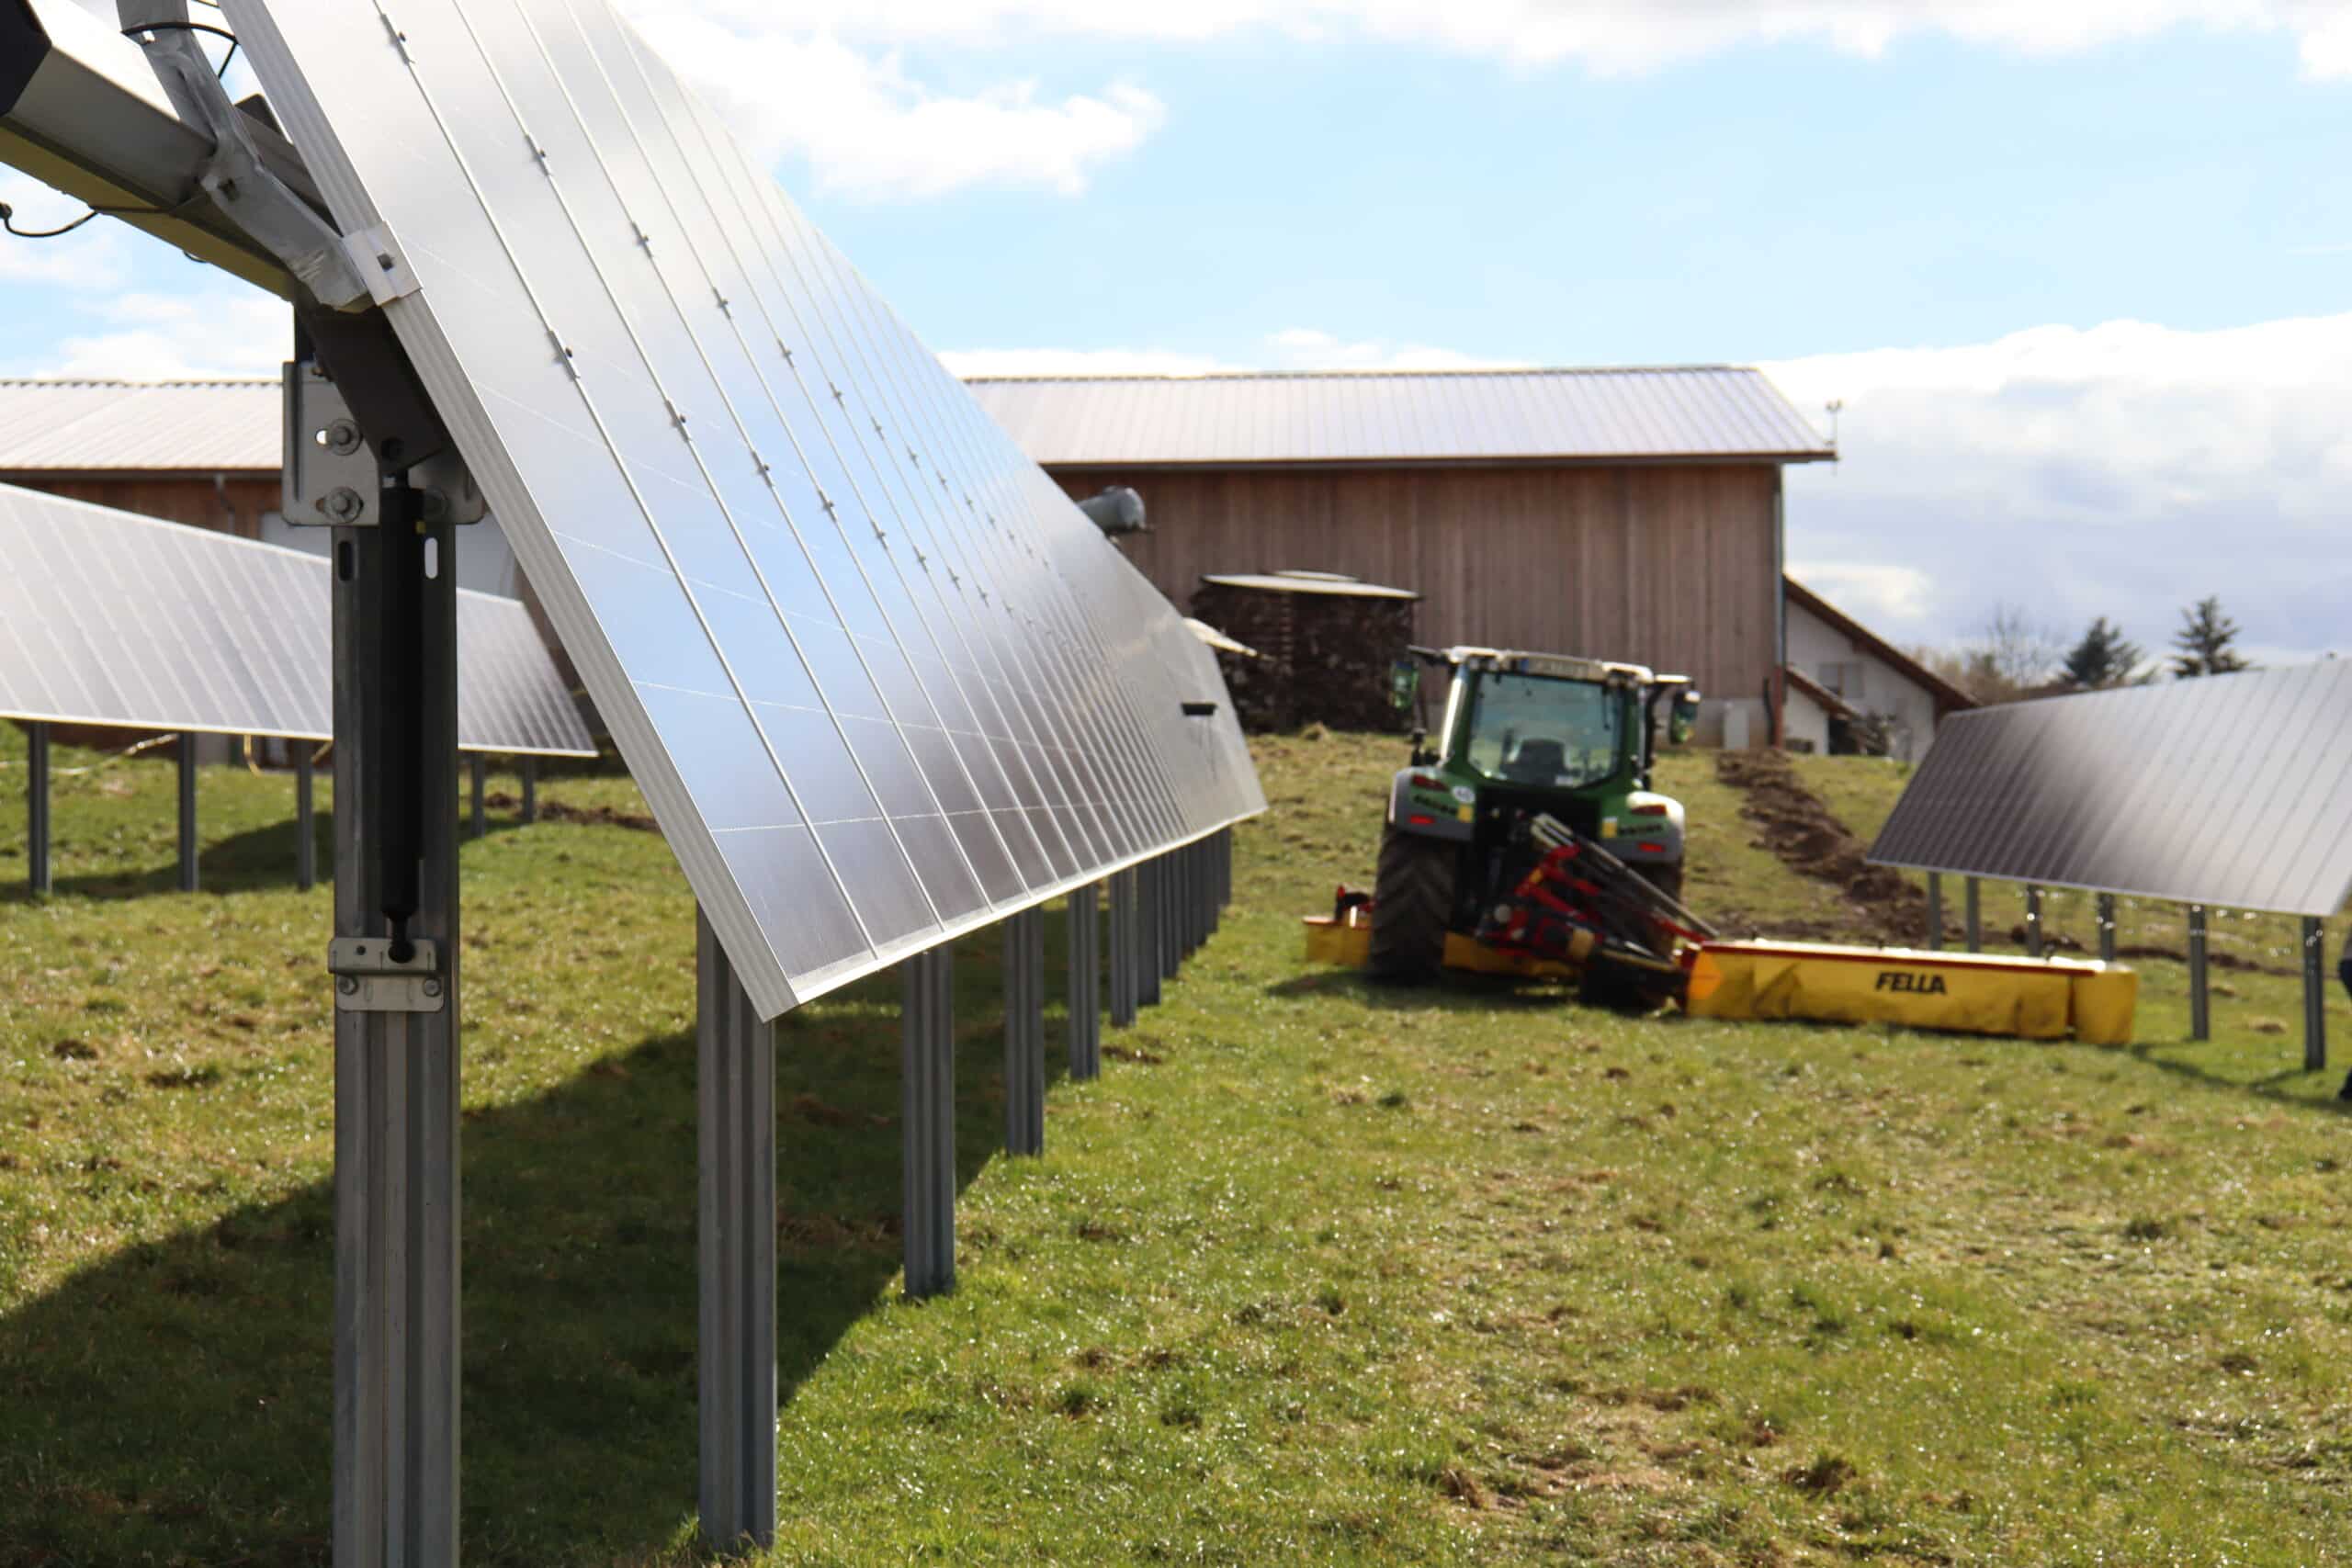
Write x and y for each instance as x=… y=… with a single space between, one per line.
x=880 y=680
x=2230 y=790
x=108 y=617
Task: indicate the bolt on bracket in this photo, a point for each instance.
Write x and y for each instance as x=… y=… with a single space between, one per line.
x=368 y=978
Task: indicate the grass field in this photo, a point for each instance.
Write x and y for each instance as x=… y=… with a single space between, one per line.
x=1318 y=1272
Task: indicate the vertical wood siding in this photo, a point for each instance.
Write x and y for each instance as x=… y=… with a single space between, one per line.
x=1668 y=567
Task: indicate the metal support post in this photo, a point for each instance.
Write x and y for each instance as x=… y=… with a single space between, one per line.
x=1171 y=915
x=1151 y=915
x=2106 y=928
x=1972 y=914
x=187 y=813
x=927 y=1119
x=306 y=819
x=2033 y=939
x=477 y=785
x=2200 y=1010
x=1935 y=911
x=1085 y=986
x=1125 y=944
x=530 y=790
x=2315 y=995
x=396 y=962
x=735 y=1112
x=1025 y=1033
x=36 y=807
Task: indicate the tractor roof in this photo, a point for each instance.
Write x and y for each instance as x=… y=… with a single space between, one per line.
x=1561 y=665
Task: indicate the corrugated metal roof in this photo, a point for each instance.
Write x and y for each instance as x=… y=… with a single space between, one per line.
x=1699 y=413
x=1696 y=413
x=2231 y=790
x=57 y=426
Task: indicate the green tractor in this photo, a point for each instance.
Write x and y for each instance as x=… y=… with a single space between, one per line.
x=1525 y=735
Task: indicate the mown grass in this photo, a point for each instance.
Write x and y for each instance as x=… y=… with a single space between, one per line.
x=1318 y=1271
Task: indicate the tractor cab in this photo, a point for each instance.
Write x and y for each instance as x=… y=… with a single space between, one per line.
x=1522 y=736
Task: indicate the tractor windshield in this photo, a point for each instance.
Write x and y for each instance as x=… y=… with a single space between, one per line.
x=1532 y=729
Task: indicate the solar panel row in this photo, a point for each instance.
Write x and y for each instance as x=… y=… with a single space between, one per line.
x=2231 y=790
x=880 y=680
x=110 y=618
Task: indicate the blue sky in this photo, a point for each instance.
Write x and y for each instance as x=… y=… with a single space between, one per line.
x=2074 y=269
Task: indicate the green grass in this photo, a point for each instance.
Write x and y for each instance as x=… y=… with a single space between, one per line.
x=1318 y=1272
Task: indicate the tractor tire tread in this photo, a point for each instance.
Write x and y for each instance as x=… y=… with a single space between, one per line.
x=1412 y=907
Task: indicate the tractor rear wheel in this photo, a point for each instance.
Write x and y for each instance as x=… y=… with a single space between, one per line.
x=1412 y=905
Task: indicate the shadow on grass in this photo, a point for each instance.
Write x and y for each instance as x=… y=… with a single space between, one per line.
x=1455 y=992
x=2277 y=1089
x=258 y=861
x=172 y=1404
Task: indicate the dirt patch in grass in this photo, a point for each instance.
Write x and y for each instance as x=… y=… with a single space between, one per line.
x=584 y=816
x=1807 y=837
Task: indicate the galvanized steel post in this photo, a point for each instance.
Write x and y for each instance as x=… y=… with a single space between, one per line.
x=2106 y=928
x=2033 y=938
x=2315 y=995
x=1935 y=911
x=477 y=784
x=2201 y=1017
x=1151 y=913
x=735 y=1345
x=36 y=807
x=1972 y=914
x=1125 y=945
x=1084 y=983
x=1025 y=1033
x=927 y=1119
x=396 y=1128
x=187 y=813
x=530 y=790
x=306 y=819
x=1171 y=915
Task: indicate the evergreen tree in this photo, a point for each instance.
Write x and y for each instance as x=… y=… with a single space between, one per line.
x=2205 y=642
x=2103 y=657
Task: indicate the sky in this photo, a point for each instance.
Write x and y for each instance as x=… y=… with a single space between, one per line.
x=2072 y=271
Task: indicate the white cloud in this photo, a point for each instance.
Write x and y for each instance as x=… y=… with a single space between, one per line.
x=209 y=331
x=91 y=257
x=1081 y=362
x=1607 y=34
x=2123 y=469
x=1293 y=348
x=868 y=128
x=1876 y=592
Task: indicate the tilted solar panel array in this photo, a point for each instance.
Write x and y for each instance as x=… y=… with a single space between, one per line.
x=108 y=617
x=2230 y=790
x=880 y=680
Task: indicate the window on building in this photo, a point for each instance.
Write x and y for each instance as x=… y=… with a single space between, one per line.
x=1845 y=679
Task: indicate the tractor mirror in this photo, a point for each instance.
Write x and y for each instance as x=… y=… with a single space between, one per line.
x=1403 y=684
x=1684 y=718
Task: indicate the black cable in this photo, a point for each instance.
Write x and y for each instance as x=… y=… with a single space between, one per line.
x=133 y=33
x=8 y=220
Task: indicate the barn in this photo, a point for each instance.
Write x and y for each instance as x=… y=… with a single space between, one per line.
x=1621 y=514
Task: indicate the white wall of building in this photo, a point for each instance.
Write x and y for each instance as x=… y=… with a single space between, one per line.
x=1863 y=679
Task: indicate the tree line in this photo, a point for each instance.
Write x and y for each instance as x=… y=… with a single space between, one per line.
x=2013 y=657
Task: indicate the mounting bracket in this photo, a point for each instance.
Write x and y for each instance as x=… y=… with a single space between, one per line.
x=368 y=978
x=332 y=477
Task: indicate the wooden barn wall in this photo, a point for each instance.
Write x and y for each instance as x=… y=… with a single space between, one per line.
x=235 y=507
x=1669 y=567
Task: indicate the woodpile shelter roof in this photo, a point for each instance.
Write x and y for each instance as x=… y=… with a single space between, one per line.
x=95 y=427
x=1699 y=413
